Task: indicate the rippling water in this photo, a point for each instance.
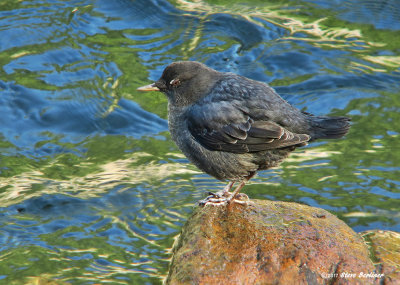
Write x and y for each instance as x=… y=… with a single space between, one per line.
x=92 y=188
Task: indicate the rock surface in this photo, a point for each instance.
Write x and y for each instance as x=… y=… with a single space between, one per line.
x=269 y=242
x=385 y=249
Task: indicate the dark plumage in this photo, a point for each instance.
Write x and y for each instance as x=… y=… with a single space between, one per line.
x=230 y=126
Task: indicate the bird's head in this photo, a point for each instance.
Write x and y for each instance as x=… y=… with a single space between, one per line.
x=184 y=82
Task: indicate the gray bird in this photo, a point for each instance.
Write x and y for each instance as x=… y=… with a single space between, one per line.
x=230 y=126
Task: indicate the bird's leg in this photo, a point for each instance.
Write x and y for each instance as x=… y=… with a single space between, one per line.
x=225 y=197
x=218 y=198
x=227 y=188
x=235 y=192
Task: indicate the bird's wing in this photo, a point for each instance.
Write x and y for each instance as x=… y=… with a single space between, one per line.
x=223 y=126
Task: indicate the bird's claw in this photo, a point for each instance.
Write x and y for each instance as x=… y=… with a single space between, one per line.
x=215 y=199
x=224 y=198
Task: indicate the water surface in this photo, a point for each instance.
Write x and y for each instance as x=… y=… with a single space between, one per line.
x=92 y=189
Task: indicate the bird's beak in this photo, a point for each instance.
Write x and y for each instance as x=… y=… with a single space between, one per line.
x=150 y=87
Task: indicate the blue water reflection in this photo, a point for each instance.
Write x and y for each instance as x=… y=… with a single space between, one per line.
x=382 y=14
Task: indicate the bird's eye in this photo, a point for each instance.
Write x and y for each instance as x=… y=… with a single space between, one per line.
x=175 y=82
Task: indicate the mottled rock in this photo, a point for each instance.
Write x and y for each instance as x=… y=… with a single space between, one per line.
x=268 y=242
x=385 y=249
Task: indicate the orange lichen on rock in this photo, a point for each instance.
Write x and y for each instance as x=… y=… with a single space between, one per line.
x=268 y=242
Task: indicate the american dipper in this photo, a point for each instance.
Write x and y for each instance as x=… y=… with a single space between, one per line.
x=230 y=126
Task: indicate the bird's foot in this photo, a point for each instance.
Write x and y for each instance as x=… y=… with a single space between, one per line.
x=223 y=198
x=240 y=198
x=216 y=199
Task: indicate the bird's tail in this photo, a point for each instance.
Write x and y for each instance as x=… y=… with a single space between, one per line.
x=322 y=127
